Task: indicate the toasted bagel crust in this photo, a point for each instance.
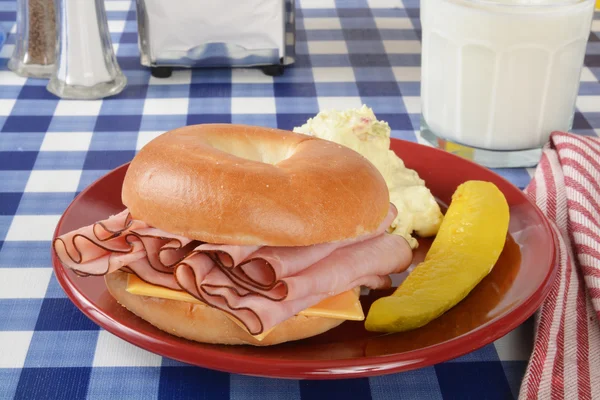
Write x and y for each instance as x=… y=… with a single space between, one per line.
x=206 y=324
x=246 y=185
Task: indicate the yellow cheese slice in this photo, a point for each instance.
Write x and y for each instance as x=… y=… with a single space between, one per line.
x=258 y=337
x=344 y=306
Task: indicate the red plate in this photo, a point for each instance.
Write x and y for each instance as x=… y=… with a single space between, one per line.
x=502 y=301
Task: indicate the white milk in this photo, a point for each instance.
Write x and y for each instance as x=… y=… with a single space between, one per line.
x=501 y=76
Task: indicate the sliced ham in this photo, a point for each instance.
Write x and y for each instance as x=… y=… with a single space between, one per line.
x=100 y=248
x=119 y=241
x=175 y=251
x=259 y=285
x=145 y=272
x=227 y=255
x=191 y=272
x=264 y=267
x=157 y=242
x=257 y=313
x=344 y=268
x=367 y=263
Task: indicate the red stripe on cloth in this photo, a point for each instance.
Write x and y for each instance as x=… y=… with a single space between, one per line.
x=576 y=227
x=557 y=390
x=588 y=143
x=550 y=189
x=594 y=292
x=592 y=198
x=554 y=190
x=575 y=206
x=581 y=152
x=587 y=250
x=531 y=191
x=584 y=388
x=590 y=271
x=542 y=341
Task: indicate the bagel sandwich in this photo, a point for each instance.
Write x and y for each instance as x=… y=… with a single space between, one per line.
x=235 y=234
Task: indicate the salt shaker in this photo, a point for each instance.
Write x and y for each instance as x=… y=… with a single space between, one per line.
x=35 y=45
x=86 y=67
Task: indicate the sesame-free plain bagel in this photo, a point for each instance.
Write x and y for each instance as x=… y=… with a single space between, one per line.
x=206 y=324
x=247 y=185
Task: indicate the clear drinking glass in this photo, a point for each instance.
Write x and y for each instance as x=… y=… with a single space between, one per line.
x=35 y=43
x=498 y=77
x=86 y=67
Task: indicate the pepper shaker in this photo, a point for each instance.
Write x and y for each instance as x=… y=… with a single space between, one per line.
x=35 y=47
x=86 y=67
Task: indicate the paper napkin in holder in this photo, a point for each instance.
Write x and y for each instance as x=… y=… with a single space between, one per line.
x=192 y=33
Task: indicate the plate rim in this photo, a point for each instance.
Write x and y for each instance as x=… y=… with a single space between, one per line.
x=355 y=367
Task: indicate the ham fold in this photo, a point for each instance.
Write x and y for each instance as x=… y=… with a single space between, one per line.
x=261 y=286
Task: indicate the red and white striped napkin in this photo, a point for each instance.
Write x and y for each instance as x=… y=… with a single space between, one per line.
x=565 y=363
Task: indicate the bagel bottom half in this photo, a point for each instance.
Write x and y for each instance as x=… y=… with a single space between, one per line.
x=206 y=324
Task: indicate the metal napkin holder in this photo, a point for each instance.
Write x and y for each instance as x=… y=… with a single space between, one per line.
x=271 y=60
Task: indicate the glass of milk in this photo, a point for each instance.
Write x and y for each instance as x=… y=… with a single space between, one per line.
x=499 y=76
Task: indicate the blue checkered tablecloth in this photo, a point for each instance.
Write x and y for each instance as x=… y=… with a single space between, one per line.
x=348 y=53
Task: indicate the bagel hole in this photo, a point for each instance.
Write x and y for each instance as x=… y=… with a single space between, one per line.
x=263 y=153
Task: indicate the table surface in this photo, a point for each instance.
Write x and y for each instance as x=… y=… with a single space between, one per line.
x=348 y=53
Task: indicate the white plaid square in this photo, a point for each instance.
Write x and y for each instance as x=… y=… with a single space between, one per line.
x=516 y=345
x=407 y=74
x=289 y=38
x=588 y=103
x=145 y=137
x=253 y=105
x=316 y=3
x=166 y=106
x=333 y=74
x=587 y=75
x=412 y=104
x=78 y=107
x=249 y=75
x=6 y=106
x=13 y=348
x=328 y=47
x=322 y=23
x=339 y=103
x=385 y=3
x=53 y=181
x=402 y=46
x=32 y=228
x=117 y=5
x=393 y=23
x=112 y=351
x=7 y=50
x=116 y=26
x=24 y=283
x=10 y=78
x=66 y=141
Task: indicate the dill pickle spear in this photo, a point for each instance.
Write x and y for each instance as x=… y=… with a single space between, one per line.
x=468 y=244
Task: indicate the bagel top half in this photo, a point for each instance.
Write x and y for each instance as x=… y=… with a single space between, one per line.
x=247 y=185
